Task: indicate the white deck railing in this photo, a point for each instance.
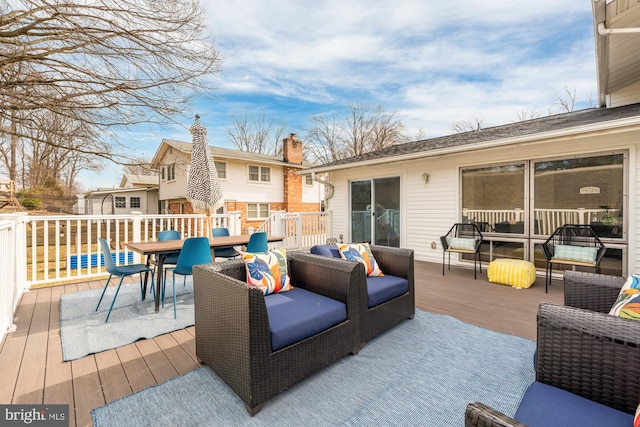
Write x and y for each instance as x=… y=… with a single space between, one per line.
x=299 y=229
x=39 y=250
x=13 y=264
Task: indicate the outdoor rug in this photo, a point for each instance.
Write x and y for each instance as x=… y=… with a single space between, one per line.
x=83 y=330
x=423 y=372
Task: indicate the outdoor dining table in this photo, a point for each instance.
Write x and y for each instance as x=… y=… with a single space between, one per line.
x=164 y=248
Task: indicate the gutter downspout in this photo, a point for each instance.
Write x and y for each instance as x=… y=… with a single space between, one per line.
x=604 y=31
x=329 y=187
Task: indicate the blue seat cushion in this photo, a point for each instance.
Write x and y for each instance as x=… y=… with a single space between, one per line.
x=330 y=251
x=544 y=406
x=299 y=314
x=383 y=288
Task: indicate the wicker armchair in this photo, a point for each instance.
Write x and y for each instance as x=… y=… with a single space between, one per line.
x=232 y=326
x=588 y=353
x=398 y=262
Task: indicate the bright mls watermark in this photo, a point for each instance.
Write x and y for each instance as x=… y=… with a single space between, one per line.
x=34 y=415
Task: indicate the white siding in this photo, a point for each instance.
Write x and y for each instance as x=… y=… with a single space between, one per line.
x=238 y=187
x=625 y=96
x=429 y=210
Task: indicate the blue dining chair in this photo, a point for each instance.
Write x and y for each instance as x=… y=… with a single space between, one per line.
x=258 y=243
x=122 y=271
x=195 y=250
x=170 y=235
x=224 y=251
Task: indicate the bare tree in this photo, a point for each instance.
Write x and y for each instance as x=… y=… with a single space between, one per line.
x=255 y=133
x=363 y=129
x=526 y=115
x=106 y=64
x=474 y=124
x=139 y=166
x=57 y=163
x=566 y=101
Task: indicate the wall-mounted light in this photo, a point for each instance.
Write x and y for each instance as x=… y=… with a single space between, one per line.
x=425 y=177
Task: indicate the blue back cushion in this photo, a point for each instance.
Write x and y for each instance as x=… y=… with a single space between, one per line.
x=384 y=288
x=330 y=251
x=544 y=405
x=299 y=314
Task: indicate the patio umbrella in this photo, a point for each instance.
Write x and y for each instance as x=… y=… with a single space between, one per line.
x=203 y=188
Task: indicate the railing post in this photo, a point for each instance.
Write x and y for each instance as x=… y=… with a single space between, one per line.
x=276 y=224
x=235 y=224
x=136 y=232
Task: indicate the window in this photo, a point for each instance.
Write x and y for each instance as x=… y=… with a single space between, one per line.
x=162 y=173
x=588 y=190
x=493 y=197
x=308 y=180
x=121 y=202
x=257 y=210
x=519 y=205
x=134 y=202
x=171 y=172
x=221 y=169
x=259 y=173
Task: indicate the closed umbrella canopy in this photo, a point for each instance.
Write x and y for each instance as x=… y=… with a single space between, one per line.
x=203 y=187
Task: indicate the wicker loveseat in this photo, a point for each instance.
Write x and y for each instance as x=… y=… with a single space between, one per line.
x=236 y=325
x=386 y=300
x=584 y=351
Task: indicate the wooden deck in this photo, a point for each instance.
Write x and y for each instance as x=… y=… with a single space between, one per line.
x=33 y=372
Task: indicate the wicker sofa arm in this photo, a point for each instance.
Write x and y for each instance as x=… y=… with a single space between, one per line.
x=341 y=280
x=394 y=261
x=480 y=415
x=591 y=354
x=591 y=291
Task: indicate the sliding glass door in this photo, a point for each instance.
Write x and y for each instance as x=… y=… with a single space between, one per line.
x=375 y=211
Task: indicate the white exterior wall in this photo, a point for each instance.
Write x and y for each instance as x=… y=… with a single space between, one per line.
x=429 y=210
x=312 y=193
x=238 y=187
x=626 y=96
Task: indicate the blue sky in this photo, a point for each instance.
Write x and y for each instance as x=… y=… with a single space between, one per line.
x=431 y=62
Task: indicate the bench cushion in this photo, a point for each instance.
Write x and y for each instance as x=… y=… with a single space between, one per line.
x=330 y=251
x=299 y=314
x=383 y=288
x=544 y=405
x=586 y=254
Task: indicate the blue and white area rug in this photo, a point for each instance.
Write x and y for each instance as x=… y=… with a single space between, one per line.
x=424 y=372
x=83 y=330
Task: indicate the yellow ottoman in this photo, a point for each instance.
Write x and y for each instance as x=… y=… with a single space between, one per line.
x=514 y=272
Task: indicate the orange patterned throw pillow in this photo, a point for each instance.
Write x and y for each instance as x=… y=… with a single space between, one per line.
x=268 y=271
x=361 y=252
x=628 y=303
x=636 y=418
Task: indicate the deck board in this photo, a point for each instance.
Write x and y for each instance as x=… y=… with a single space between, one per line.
x=33 y=371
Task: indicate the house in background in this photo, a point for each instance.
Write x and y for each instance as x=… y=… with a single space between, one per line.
x=137 y=193
x=254 y=184
x=518 y=181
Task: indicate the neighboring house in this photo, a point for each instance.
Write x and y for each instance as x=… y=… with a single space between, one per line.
x=254 y=184
x=517 y=181
x=137 y=193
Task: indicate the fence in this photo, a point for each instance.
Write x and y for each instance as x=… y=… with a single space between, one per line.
x=40 y=250
x=299 y=229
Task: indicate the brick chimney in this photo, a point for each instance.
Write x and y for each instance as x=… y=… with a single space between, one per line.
x=292 y=149
x=292 y=153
